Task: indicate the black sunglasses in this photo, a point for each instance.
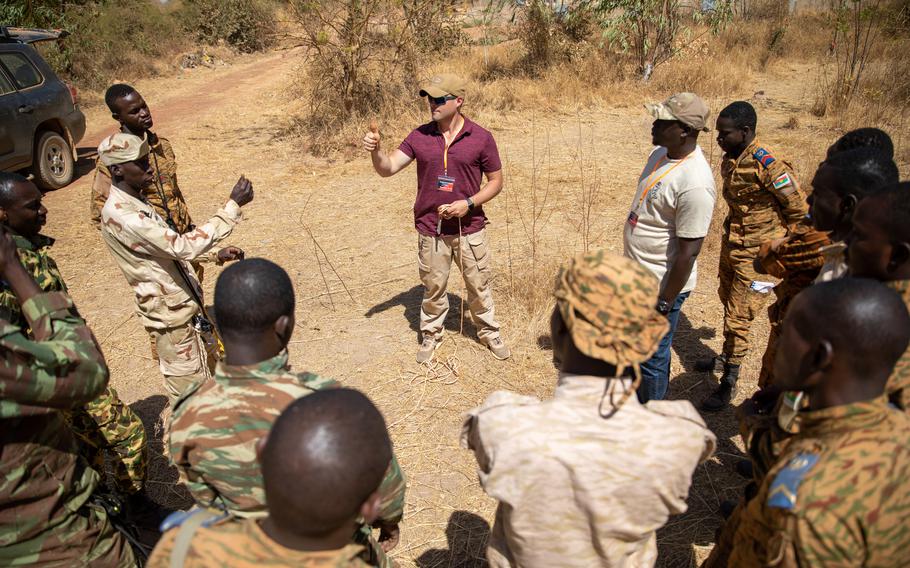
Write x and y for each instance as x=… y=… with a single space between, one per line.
x=441 y=100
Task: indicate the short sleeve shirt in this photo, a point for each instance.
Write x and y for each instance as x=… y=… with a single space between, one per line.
x=675 y=198
x=472 y=154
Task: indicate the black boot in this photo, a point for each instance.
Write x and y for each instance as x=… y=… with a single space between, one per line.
x=724 y=392
x=715 y=364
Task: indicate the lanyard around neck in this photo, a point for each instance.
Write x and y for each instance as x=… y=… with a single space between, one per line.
x=445 y=151
x=650 y=184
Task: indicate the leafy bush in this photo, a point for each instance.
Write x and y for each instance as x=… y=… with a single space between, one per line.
x=365 y=57
x=246 y=25
x=552 y=34
x=106 y=38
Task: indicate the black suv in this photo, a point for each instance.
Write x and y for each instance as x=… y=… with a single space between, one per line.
x=40 y=120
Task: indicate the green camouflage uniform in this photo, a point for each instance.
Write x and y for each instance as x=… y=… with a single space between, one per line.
x=216 y=425
x=46 y=486
x=105 y=423
x=898 y=387
x=838 y=496
x=764 y=200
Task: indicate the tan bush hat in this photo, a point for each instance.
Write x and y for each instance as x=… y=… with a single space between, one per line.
x=608 y=303
x=444 y=84
x=687 y=108
x=120 y=148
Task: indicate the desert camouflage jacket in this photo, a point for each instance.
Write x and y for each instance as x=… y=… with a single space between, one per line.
x=215 y=427
x=838 y=496
x=898 y=388
x=577 y=488
x=164 y=168
x=44 y=480
x=763 y=196
x=35 y=257
x=147 y=252
x=243 y=544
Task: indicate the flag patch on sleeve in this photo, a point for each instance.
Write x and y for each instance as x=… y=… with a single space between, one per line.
x=764 y=157
x=782 y=181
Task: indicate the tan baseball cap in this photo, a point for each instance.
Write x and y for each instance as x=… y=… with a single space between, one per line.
x=687 y=108
x=120 y=148
x=444 y=84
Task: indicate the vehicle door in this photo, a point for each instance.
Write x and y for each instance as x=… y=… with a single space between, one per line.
x=37 y=97
x=15 y=131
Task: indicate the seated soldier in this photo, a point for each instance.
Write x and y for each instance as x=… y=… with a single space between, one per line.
x=839 y=495
x=105 y=423
x=48 y=509
x=215 y=426
x=322 y=465
x=587 y=478
x=879 y=248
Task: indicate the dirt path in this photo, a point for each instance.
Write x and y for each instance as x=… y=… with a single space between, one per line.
x=340 y=228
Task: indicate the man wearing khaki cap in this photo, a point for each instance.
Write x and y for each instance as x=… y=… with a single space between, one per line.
x=156 y=260
x=669 y=219
x=588 y=477
x=453 y=153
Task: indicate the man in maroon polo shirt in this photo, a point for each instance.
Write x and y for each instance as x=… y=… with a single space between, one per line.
x=453 y=153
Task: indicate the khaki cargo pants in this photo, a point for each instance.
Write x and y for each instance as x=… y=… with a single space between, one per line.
x=435 y=256
x=741 y=303
x=184 y=357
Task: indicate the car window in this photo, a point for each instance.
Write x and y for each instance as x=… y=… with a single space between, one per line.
x=5 y=85
x=22 y=70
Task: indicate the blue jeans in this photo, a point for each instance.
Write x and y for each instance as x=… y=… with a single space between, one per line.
x=655 y=372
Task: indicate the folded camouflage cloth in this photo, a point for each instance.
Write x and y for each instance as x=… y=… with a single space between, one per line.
x=799 y=253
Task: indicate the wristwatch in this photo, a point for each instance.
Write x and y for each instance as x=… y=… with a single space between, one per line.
x=470 y=204
x=664 y=307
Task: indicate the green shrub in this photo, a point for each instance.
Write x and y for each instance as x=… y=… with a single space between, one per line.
x=107 y=38
x=246 y=25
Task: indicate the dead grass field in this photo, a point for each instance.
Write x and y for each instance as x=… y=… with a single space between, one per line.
x=226 y=121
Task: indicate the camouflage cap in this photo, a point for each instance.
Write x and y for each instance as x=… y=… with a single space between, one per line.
x=608 y=303
x=442 y=85
x=120 y=148
x=687 y=108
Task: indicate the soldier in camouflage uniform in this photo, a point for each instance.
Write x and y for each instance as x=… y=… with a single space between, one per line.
x=336 y=441
x=765 y=203
x=47 y=512
x=588 y=477
x=105 y=423
x=839 y=495
x=879 y=248
x=129 y=109
x=215 y=427
x=155 y=261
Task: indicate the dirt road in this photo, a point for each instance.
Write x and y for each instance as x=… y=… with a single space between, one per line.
x=346 y=237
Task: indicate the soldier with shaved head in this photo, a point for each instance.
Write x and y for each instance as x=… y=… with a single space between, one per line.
x=323 y=464
x=839 y=495
x=215 y=426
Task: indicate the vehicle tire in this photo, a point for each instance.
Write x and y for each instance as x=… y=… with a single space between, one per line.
x=53 y=165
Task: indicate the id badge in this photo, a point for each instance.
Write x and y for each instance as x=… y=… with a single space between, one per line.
x=445 y=183
x=633 y=219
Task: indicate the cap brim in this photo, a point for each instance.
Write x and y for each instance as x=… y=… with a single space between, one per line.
x=432 y=91
x=660 y=111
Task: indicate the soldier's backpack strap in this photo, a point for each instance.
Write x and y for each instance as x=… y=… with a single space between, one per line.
x=189 y=522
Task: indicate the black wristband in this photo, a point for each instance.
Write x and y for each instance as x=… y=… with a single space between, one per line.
x=664 y=307
x=470 y=204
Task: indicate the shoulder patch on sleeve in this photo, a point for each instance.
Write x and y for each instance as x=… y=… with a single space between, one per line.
x=782 y=181
x=784 y=488
x=763 y=157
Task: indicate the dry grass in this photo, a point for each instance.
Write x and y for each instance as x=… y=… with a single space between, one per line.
x=576 y=138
